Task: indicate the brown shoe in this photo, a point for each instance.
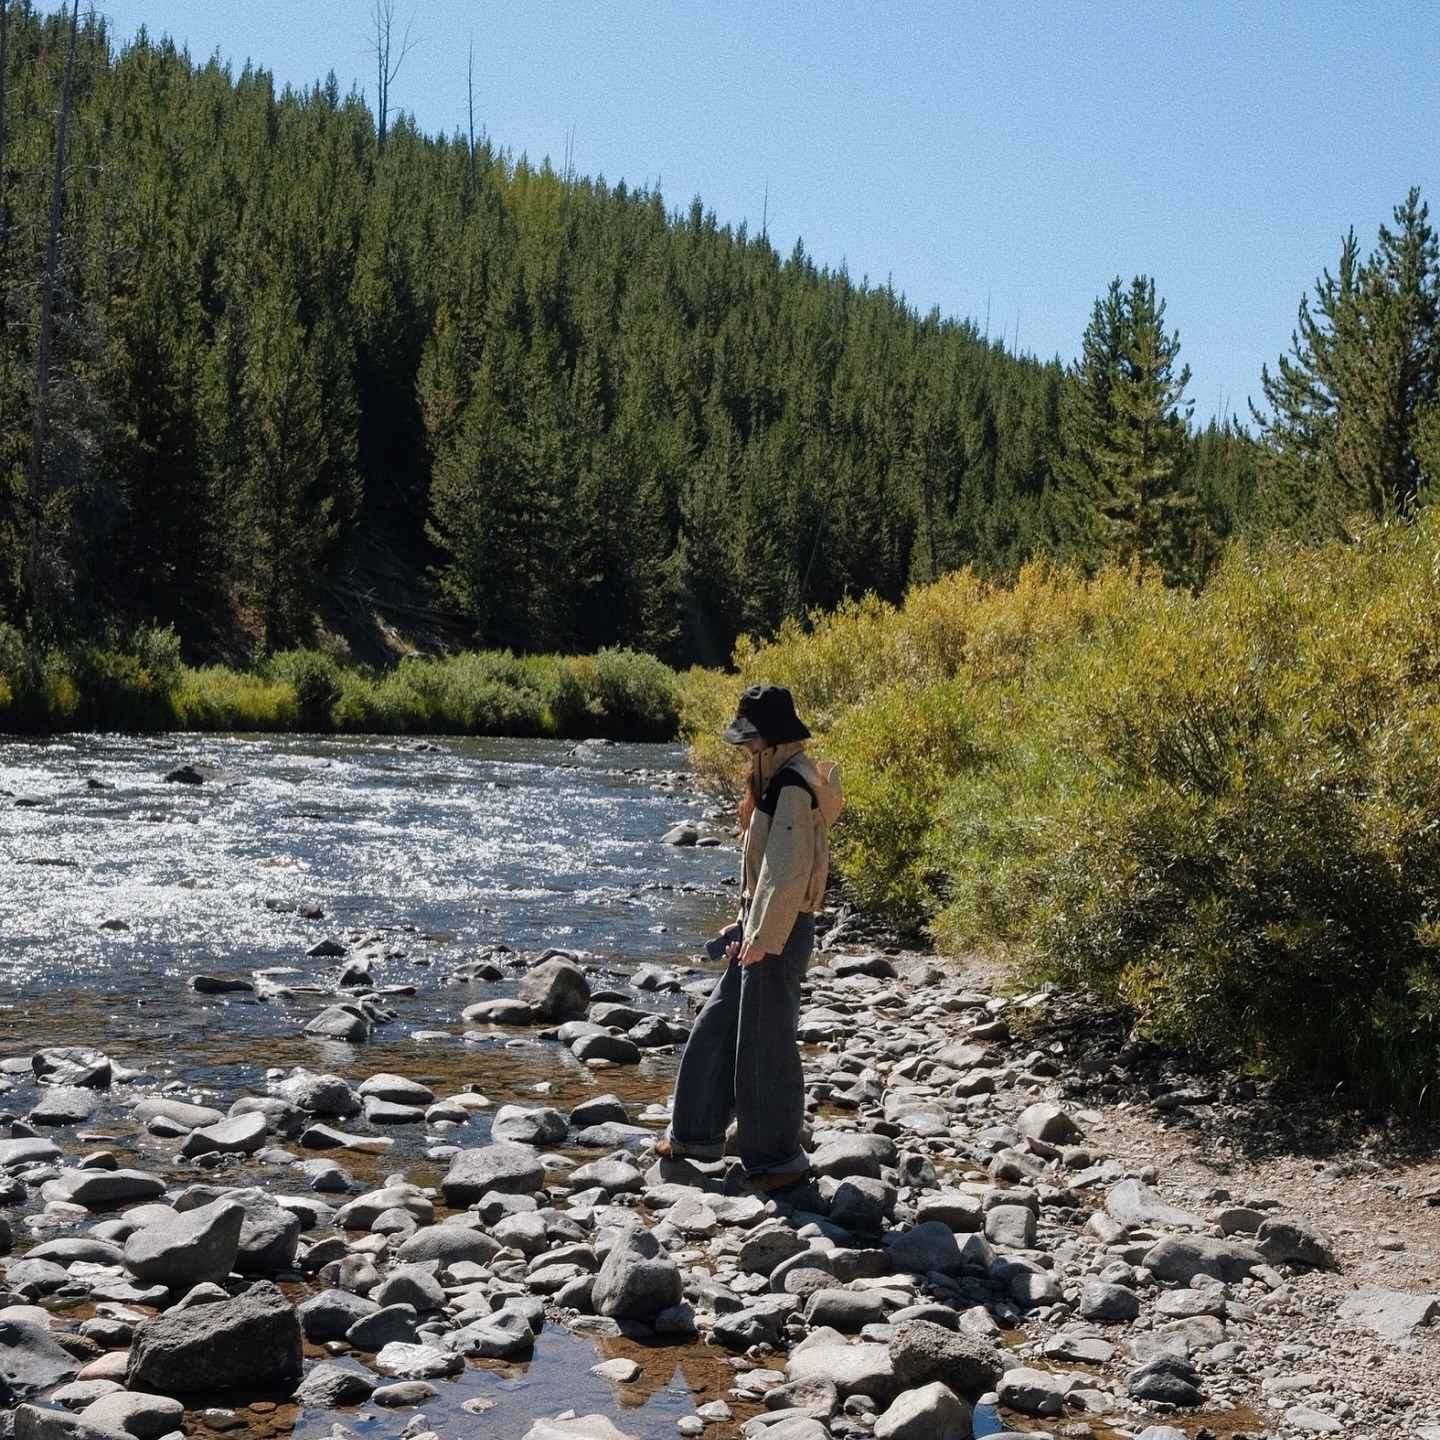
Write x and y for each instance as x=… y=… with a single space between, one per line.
x=771 y=1180
x=667 y=1149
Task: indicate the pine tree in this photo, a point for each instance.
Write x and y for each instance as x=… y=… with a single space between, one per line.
x=1124 y=438
x=1354 y=422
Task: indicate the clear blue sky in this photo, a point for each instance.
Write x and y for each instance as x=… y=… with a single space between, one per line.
x=1006 y=159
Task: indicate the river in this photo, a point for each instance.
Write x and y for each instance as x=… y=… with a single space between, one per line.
x=117 y=888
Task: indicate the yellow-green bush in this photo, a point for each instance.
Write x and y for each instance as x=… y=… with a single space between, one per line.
x=1221 y=809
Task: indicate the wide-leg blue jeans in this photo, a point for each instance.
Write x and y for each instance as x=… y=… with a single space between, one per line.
x=742 y=1062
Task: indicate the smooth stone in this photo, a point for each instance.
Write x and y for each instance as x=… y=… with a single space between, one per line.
x=931 y=1412
x=1179 y=1258
x=862 y=1369
x=237 y=1135
x=407 y=1361
x=328 y=1386
x=507 y=1168
x=1030 y=1391
x=1391 y=1313
x=146 y=1417
x=524 y=1125
x=1108 y=1304
x=555 y=988
x=637 y=1279
x=102 y=1189
x=1138 y=1206
x=1289 y=1239
x=31 y=1360
x=403 y=1393
x=181 y=1249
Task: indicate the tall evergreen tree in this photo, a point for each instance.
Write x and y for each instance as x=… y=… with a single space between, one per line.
x=1124 y=438
x=1354 y=421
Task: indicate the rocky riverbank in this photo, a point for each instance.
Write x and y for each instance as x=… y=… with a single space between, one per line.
x=1018 y=1218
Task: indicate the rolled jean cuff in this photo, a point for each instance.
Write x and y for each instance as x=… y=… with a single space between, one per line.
x=713 y=1151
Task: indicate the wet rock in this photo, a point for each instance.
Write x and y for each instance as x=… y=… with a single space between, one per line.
x=873 y=964
x=1289 y=1239
x=1138 y=1206
x=555 y=988
x=251 y=1342
x=931 y=1412
x=319 y=1094
x=329 y=1386
x=181 y=1250
x=683 y=834
x=30 y=1359
x=409 y=1361
x=603 y=1109
x=185 y=1115
x=403 y=1393
x=523 y=1125
x=341 y=1022
x=240 y=1135
x=637 y=1280
x=220 y=985
x=1180 y=1258
x=738 y=1330
x=73 y=1065
x=505 y=1335
x=615 y=1048
x=397 y=1090
x=102 y=1189
x=328 y=949
x=922 y=1351
x=387 y=1112
x=389 y=1325
x=198 y=773
x=330 y=1314
x=64 y=1105
x=281 y=1116
x=146 y=1417
x=502 y=1011
x=27 y=1150
x=509 y=1169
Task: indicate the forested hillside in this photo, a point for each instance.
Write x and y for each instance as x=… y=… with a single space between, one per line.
x=293 y=375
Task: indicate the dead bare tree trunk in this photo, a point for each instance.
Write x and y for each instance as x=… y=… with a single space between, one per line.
x=34 y=560
x=387 y=64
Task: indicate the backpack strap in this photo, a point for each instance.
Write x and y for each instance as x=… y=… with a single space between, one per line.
x=781 y=780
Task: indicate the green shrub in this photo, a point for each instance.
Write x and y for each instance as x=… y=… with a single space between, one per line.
x=314 y=676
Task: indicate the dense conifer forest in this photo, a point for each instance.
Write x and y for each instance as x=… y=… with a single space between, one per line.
x=294 y=378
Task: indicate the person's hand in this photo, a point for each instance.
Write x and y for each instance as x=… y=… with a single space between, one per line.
x=751 y=954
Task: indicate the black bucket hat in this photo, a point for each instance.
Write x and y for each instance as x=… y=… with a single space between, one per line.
x=766 y=712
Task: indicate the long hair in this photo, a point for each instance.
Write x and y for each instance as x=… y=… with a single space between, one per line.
x=750 y=796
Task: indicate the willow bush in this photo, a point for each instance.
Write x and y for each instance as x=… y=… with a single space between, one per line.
x=1222 y=810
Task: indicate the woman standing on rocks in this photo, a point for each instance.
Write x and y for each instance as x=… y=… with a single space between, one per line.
x=741 y=1060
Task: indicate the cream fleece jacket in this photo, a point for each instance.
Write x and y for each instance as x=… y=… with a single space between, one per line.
x=786 y=856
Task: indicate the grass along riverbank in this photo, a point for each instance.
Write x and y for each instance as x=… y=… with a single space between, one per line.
x=1222 y=811
x=139 y=683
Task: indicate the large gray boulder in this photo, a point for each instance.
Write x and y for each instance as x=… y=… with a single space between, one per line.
x=1180 y=1258
x=922 y=1352
x=638 y=1279
x=853 y=1369
x=30 y=1360
x=34 y=1422
x=509 y=1169
x=251 y=1342
x=189 y=1117
x=184 y=1249
x=27 y=1150
x=555 y=988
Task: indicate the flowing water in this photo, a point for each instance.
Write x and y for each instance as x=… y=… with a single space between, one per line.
x=425 y=854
